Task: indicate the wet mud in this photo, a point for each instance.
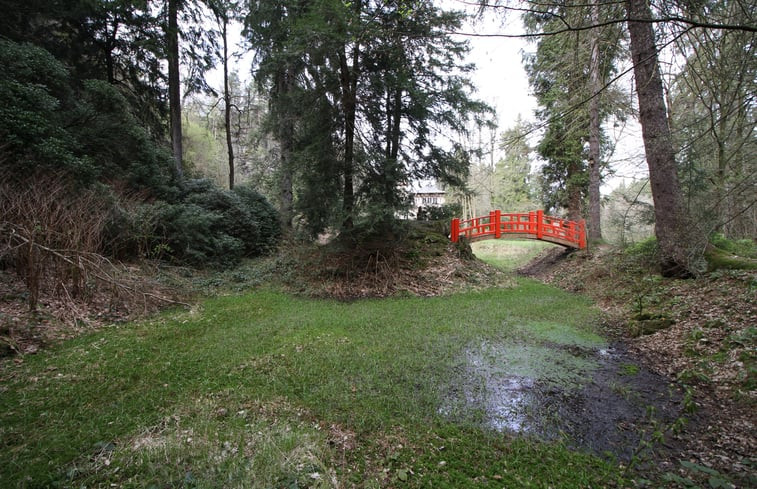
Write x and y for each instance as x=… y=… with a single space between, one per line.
x=593 y=399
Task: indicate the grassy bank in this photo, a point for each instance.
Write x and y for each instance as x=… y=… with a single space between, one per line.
x=268 y=390
x=509 y=254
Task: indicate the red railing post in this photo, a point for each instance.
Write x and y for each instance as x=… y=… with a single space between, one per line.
x=455 y=230
x=563 y=231
x=532 y=222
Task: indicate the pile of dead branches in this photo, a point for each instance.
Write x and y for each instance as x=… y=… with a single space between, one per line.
x=52 y=233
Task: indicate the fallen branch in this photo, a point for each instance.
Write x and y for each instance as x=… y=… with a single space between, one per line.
x=91 y=265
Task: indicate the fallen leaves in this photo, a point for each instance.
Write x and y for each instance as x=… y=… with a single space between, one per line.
x=711 y=344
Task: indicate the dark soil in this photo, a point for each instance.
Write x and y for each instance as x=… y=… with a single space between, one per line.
x=619 y=410
x=699 y=334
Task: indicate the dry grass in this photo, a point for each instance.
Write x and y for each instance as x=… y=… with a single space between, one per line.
x=55 y=281
x=426 y=272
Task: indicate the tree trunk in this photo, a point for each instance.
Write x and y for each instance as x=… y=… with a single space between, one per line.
x=174 y=83
x=227 y=100
x=286 y=144
x=595 y=225
x=349 y=105
x=348 y=79
x=110 y=43
x=574 y=187
x=670 y=218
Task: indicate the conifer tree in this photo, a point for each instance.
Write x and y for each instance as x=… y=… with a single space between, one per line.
x=381 y=81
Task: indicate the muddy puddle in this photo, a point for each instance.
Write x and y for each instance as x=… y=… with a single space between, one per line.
x=593 y=399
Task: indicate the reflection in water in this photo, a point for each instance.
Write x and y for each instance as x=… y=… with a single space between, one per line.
x=551 y=391
x=504 y=400
x=508 y=403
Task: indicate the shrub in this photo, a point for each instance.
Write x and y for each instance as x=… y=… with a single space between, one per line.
x=52 y=232
x=113 y=138
x=741 y=247
x=644 y=253
x=189 y=234
x=87 y=129
x=234 y=219
x=130 y=231
x=264 y=214
x=434 y=213
x=210 y=226
x=33 y=101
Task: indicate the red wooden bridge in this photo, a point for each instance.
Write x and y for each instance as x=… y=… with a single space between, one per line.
x=530 y=225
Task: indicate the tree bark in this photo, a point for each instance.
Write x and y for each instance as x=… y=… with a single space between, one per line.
x=227 y=99
x=286 y=148
x=349 y=80
x=574 y=187
x=670 y=218
x=174 y=83
x=348 y=76
x=595 y=225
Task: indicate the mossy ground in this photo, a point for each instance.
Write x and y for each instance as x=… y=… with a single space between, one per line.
x=320 y=393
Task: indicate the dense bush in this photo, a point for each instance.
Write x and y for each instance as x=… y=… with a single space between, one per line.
x=269 y=227
x=211 y=226
x=50 y=122
x=34 y=95
x=122 y=149
x=438 y=213
x=190 y=234
x=52 y=231
x=643 y=254
x=86 y=132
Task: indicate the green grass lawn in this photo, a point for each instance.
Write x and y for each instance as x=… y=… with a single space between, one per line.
x=509 y=254
x=266 y=390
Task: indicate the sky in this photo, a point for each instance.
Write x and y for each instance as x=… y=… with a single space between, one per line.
x=500 y=77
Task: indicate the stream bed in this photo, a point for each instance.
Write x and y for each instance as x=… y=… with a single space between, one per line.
x=593 y=399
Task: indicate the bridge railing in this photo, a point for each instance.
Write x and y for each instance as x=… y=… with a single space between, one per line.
x=535 y=225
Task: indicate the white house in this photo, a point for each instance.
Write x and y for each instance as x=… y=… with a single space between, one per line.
x=427 y=194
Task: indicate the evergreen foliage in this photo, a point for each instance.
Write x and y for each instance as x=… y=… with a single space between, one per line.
x=559 y=74
x=86 y=130
x=382 y=81
x=34 y=98
x=264 y=215
x=213 y=226
x=439 y=213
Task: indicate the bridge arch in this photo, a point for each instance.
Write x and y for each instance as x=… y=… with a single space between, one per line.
x=529 y=225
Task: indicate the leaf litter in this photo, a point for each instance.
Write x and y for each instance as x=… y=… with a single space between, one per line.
x=708 y=346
